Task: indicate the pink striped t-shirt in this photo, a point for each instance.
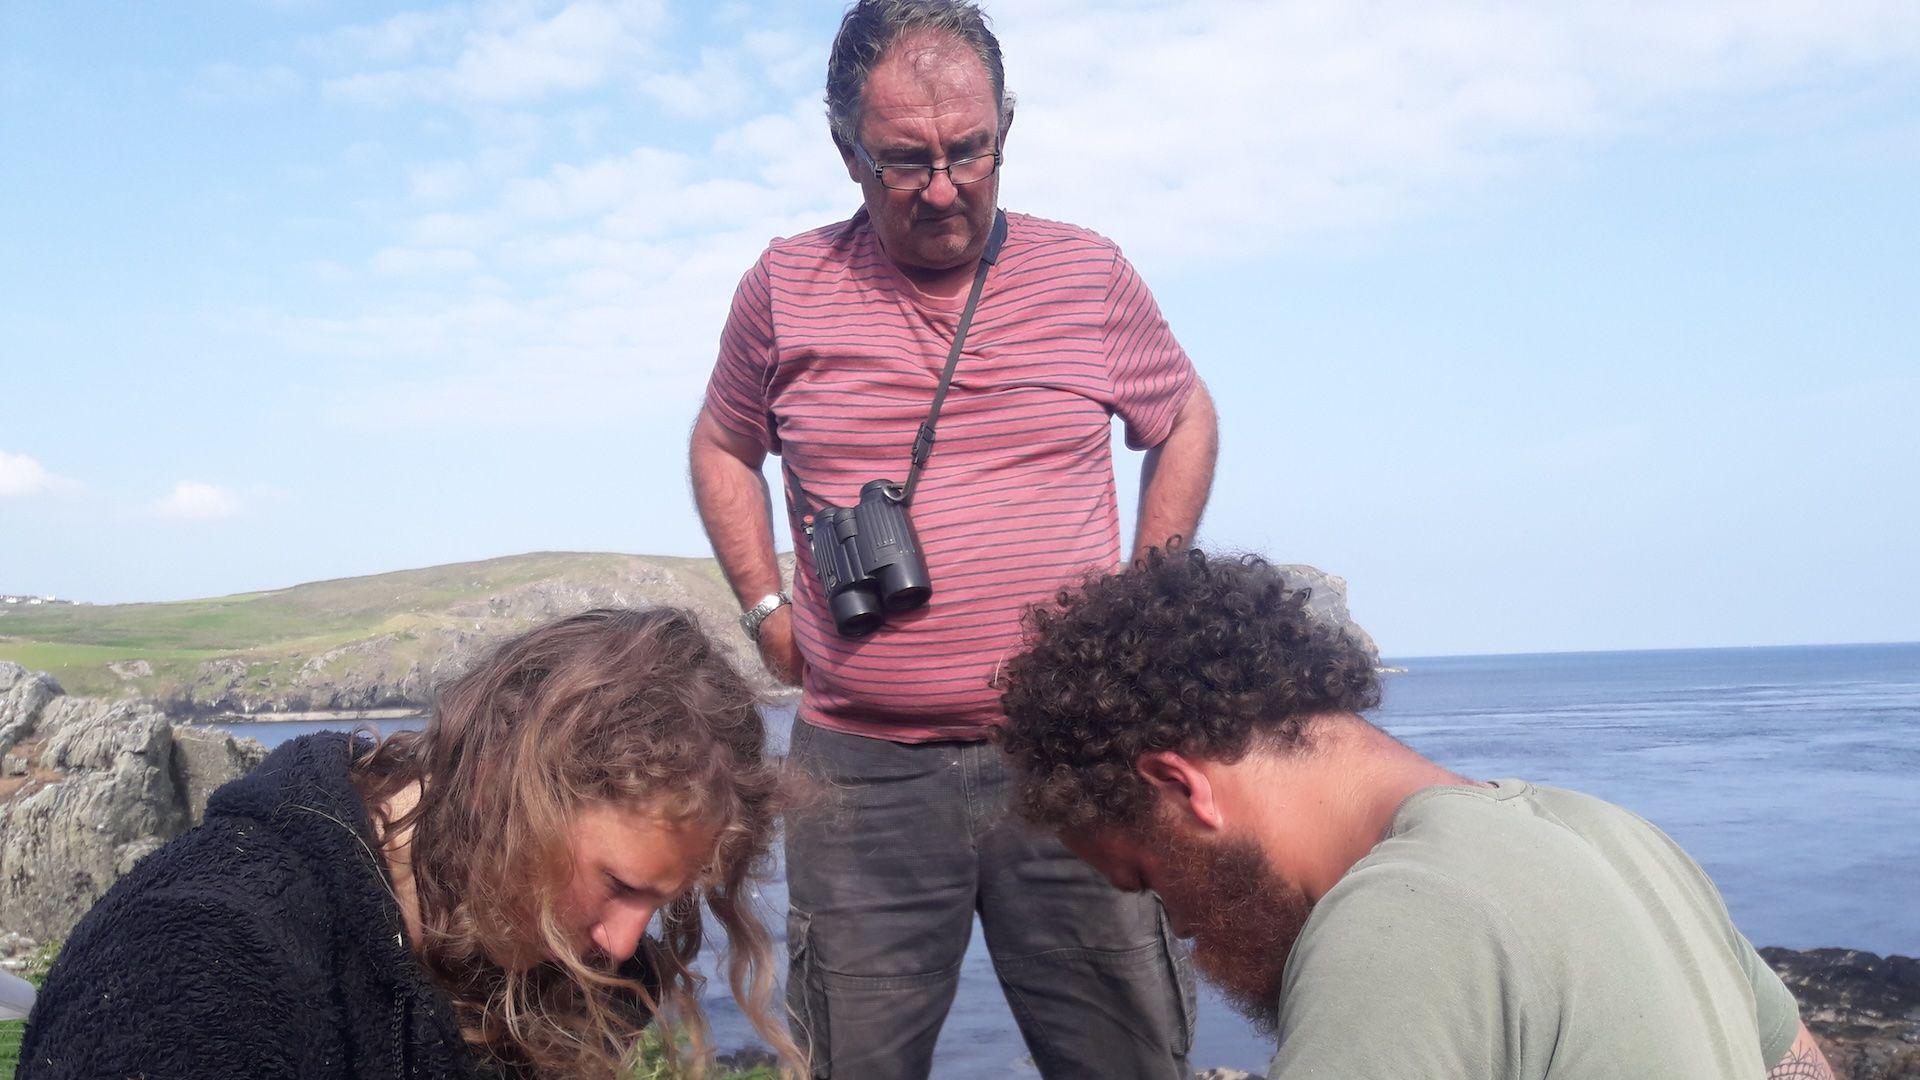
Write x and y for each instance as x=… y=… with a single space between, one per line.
x=830 y=358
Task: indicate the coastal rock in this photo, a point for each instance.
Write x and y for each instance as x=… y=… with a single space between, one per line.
x=1864 y=1008
x=91 y=787
x=1327 y=598
x=23 y=694
x=205 y=758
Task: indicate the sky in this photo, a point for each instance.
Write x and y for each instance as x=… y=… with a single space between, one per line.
x=1548 y=326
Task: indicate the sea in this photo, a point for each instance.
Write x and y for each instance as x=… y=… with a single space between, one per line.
x=1791 y=774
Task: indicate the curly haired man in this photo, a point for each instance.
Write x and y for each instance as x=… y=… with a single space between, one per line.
x=1189 y=728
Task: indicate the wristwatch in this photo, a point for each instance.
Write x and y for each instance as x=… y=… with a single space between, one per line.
x=757 y=614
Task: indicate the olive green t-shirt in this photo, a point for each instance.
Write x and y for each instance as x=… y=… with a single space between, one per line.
x=1526 y=933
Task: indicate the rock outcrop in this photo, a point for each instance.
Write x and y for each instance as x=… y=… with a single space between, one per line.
x=1864 y=1008
x=87 y=787
x=1327 y=598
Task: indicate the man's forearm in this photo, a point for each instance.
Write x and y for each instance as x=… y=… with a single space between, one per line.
x=736 y=508
x=1177 y=476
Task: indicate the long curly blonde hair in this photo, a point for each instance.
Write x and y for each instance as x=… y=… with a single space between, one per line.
x=621 y=707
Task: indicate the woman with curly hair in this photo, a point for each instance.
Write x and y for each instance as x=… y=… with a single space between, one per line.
x=469 y=899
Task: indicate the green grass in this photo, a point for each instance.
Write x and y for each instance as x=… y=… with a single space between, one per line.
x=343 y=609
x=12 y=1030
x=42 y=655
x=655 y=1066
x=82 y=669
x=276 y=631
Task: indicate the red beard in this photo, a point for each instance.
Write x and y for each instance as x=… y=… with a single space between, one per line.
x=1242 y=914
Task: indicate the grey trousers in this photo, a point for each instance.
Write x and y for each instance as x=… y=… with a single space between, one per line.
x=885 y=874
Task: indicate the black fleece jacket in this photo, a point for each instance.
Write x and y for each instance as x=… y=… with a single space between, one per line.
x=263 y=943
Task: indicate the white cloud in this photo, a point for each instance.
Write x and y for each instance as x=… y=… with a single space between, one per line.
x=397 y=39
x=422 y=262
x=21 y=475
x=194 y=501
x=491 y=53
x=621 y=269
x=1190 y=132
x=239 y=83
x=444 y=229
x=786 y=60
x=1221 y=129
x=438 y=181
x=719 y=86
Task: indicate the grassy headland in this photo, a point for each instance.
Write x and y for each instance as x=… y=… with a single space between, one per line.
x=378 y=636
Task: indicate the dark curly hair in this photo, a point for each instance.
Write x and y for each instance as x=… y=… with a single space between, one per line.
x=1182 y=651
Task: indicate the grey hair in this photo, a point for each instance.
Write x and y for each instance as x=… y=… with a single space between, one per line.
x=869 y=29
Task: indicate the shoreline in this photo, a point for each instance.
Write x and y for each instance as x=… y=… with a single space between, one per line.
x=310 y=716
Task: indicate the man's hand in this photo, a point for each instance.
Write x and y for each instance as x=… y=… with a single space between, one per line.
x=778 y=650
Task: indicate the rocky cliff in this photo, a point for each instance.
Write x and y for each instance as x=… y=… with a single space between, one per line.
x=87 y=787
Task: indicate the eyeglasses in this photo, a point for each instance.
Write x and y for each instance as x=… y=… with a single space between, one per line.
x=916 y=177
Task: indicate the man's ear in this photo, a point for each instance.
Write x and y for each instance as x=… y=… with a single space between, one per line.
x=1182 y=784
x=854 y=171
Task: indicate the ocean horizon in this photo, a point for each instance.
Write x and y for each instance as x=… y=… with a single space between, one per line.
x=1403 y=660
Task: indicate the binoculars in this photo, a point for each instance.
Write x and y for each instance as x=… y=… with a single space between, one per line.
x=868 y=561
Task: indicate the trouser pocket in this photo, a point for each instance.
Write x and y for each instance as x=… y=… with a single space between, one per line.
x=806 y=994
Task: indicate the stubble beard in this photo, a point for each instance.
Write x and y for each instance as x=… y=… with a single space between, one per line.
x=1244 y=919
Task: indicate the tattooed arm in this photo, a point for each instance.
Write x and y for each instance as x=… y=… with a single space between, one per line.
x=1804 y=1061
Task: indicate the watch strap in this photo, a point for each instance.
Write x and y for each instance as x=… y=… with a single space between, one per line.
x=751 y=618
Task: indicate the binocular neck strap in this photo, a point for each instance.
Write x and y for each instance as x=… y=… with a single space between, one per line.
x=798 y=504
x=798 y=501
x=923 y=441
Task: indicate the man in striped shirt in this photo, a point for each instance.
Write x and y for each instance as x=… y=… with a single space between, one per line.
x=830 y=358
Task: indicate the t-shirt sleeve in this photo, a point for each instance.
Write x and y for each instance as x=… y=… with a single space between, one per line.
x=1403 y=974
x=1776 y=1015
x=1151 y=373
x=743 y=373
